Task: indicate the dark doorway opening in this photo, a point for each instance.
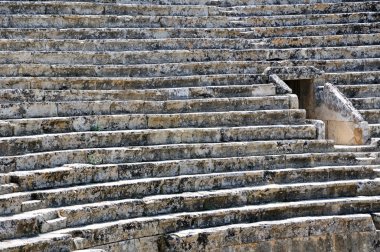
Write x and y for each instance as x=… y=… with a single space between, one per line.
x=304 y=89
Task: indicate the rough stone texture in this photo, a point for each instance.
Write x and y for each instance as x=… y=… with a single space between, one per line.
x=344 y=123
x=144 y=125
x=281 y=87
x=322 y=234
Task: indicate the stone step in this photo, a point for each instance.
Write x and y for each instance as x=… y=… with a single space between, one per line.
x=77 y=174
x=191 y=166
x=4 y=179
x=89 y=8
x=199 y=2
x=97 y=8
x=161 y=153
x=114 y=21
x=104 y=139
x=234 y=188
x=182 y=167
x=8 y=188
x=29 y=204
x=374 y=129
x=186 y=43
x=161 y=33
x=366 y=103
x=141 y=45
x=182 y=69
x=360 y=90
x=90 y=250
x=302 y=8
x=312 y=233
x=108 y=107
x=122 y=83
x=353 y=78
x=215 y=212
x=52 y=225
x=31 y=126
x=366 y=148
x=106 y=211
x=43 y=243
x=37 y=95
x=319 y=41
x=180 y=56
x=264 y=212
x=200 y=166
x=372 y=116
x=83 y=174
x=377 y=171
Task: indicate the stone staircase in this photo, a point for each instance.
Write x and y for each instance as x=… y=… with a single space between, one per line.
x=148 y=126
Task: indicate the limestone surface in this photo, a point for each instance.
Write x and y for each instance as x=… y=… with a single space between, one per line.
x=144 y=125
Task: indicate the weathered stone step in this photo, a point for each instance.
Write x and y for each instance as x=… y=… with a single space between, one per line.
x=301 y=8
x=37 y=95
x=90 y=250
x=77 y=174
x=239 y=214
x=122 y=83
x=366 y=148
x=311 y=19
x=267 y=162
x=109 y=210
x=114 y=21
x=148 y=70
x=181 y=167
x=351 y=78
x=187 y=167
x=135 y=44
x=371 y=115
x=319 y=41
x=186 y=43
x=108 y=107
x=160 y=153
x=29 y=204
x=366 y=103
x=31 y=126
x=377 y=171
x=257 y=187
x=161 y=33
x=182 y=69
x=98 y=8
x=360 y=90
x=103 y=139
x=374 y=129
x=54 y=224
x=325 y=207
x=199 y=2
x=115 y=231
x=180 y=56
x=8 y=188
x=310 y=232
x=89 y=8
x=44 y=243
x=83 y=173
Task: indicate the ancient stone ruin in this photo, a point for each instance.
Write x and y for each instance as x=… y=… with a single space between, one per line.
x=190 y=125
